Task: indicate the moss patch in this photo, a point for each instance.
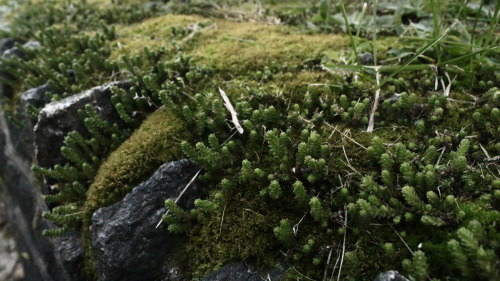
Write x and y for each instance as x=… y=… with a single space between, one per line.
x=154 y=143
x=235 y=47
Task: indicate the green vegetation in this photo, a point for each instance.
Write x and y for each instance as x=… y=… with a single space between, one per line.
x=343 y=170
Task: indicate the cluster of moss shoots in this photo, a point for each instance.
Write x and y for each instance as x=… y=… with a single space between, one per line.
x=306 y=187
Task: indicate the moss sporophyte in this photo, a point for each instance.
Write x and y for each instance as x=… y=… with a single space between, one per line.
x=277 y=117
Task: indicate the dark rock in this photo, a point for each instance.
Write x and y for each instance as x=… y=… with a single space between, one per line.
x=21 y=127
x=71 y=252
x=366 y=58
x=36 y=97
x=390 y=275
x=242 y=272
x=24 y=206
x=59 y=118
x=125 y=240
x=5 y=44
x=18 y=52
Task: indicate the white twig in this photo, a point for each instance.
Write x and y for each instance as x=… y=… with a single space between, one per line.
x=182 y=193
x=343 y=243
x=371 y=123
x=234 y=114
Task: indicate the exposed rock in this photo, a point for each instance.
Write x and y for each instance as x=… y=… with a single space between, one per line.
x=6 y=43
x=366 y=58
x=242 y=272
x=71 y=252
x=59 y=118
x=18 y=52
x=36 y=97
x=390 y=275
x=24 y=206
x=125 y=240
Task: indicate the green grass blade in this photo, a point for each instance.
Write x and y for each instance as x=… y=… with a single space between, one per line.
x=348 y=30
x=420 y=52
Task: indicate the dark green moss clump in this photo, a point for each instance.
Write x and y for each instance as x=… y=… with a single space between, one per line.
x=155 y=142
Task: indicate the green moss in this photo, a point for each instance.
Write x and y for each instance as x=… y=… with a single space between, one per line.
x=234 y=47
x=154 y=143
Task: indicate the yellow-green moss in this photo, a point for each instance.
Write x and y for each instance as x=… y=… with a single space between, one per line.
x=227 y=45
x=157 y=141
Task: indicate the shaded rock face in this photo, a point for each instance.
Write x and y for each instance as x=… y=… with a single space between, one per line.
x=59 y=118
x=24 y=205
x=125 y=240
x=391 y=275
x=242 y=272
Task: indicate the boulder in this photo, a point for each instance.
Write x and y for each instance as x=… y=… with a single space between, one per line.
x=390 y=275
x=242 y=271
x=126 y=241
x=59 y=118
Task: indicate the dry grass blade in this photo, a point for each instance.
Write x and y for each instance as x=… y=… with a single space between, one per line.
x=230 y=108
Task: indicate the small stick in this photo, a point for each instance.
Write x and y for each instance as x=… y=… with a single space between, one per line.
x=234 y=114
x=182 y=193
x=343 y=244
x=371 y=123
x=408 y=247
x=327 y=264
x=222 y=219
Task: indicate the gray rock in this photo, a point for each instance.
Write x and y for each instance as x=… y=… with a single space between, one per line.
x=59 y=118
x=24 y=205
x=242 y=272
x=18 y=52
x=126 y=243
x=390 y=275
x=5 y=44
x=366 y=58
x=36 y=97
x=70 y=250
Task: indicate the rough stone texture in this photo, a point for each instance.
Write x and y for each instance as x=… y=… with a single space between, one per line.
x=125 y=240
x=366 y=58
x=24 y=205
x=242 y=272
x=17 y=52
x=390 y=275
x=59 y=118
x=6 y=43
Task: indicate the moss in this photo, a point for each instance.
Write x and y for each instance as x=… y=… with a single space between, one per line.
x=154 y=143
x=234 y=47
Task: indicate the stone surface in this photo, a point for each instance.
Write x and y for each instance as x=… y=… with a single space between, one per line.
x=242 y=272
x=125 y=240
x=59 y=118
x=69 y=248
x=366 y=58
x=390 y=275
x=24 y=205
x=5 y=44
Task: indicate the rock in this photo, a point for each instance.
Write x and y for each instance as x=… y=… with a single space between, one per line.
x=126 y=243
x=366 y=58
x=36 y=97
x=17 y=52
x=390 y=275
x=242 y=272
x=59 y=118
x=21 y=130
x=5 y=44
x=24 y=205
x=71 y=252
